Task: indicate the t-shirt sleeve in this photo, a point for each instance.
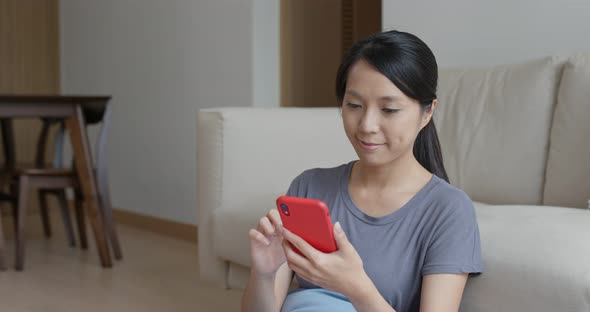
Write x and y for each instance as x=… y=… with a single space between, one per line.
x=455 y=244
x=298 y=187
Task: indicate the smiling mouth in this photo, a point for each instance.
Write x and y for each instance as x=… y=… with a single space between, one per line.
x=369 y=145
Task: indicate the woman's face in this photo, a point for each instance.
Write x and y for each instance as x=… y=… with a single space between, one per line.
x=380 y=121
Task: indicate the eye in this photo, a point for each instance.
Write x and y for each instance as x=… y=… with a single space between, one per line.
x=353 y=106
x=390 y=110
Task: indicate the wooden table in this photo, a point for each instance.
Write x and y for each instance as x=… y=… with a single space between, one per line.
x=72 y=109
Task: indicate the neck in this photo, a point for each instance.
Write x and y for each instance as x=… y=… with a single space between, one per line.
x=400 y=174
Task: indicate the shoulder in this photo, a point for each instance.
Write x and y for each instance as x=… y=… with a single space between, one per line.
x=316 y=178
x=449 y=201
x=321 y=173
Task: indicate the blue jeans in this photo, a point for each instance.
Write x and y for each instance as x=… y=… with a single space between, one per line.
x=315 y=300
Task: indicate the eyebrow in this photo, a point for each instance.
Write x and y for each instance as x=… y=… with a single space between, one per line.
x=389 y=98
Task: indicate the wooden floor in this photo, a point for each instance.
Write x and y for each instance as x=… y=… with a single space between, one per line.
x=157 y=274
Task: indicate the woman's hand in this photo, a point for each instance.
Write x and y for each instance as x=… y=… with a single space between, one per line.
x=266 y=250
x=340 y=271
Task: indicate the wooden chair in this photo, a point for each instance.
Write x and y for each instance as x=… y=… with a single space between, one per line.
x=57 y=188
x=57 y=179
x=11 y=171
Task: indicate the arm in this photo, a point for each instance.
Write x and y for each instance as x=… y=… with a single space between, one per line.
x=269 y=275
x=455 y=241
x=366 y=297
x=267 y=293
x=442 y=292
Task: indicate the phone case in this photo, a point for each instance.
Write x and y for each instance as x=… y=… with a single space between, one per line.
x=309 y=219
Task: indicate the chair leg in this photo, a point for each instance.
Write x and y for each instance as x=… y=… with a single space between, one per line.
x=14 y=191
x=80 y=219
x=2 y=263
x=65 y=212
x=24 y=185
x=110 y=225
x=44 y=213
x=5 y=182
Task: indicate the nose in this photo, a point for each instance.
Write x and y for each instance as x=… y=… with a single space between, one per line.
x=369 y=122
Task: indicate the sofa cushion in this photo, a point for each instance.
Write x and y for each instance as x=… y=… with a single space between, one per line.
x=494 y=129
x=567 y=180
x=536 y=258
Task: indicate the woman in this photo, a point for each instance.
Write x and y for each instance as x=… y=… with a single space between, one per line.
x=407 y=240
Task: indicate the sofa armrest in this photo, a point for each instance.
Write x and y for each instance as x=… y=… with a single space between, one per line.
x=209 y=172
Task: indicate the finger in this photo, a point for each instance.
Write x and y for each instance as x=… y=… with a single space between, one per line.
x=340 y=237
x=266 y=227
x=305 y=248
x=299 y=264
x=258 y=237
x=274 y=217
x=293 y=257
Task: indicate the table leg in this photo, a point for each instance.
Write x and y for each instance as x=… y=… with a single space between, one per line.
x=85 y=170
x=9 y=164
x=8 y=142
x=2 y=265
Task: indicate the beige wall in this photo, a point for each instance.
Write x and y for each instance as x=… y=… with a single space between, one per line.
x=162 y=61
x=466 y=32
x=266 y=53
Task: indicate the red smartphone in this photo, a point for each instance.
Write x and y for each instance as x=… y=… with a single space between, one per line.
x=308 y=219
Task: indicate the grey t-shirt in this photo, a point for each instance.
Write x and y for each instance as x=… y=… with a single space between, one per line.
x=435 y=232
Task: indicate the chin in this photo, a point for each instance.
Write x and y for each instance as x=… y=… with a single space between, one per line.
x=376 y=160
x=372 y=161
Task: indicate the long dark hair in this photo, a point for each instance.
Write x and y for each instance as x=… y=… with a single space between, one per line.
x=410 y=64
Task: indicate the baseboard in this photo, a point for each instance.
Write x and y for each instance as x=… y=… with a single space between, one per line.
x=178 y=230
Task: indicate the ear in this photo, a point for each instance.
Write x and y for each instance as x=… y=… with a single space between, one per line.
x=428 y=114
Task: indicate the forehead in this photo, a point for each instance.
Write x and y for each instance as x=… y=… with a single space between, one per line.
x=364 y=80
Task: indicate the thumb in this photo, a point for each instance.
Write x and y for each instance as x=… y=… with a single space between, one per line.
x=340 y=237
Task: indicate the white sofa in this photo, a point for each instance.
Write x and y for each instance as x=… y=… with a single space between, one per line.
x=516 y=138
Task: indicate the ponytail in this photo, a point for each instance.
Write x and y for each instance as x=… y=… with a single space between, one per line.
x=428 y=152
